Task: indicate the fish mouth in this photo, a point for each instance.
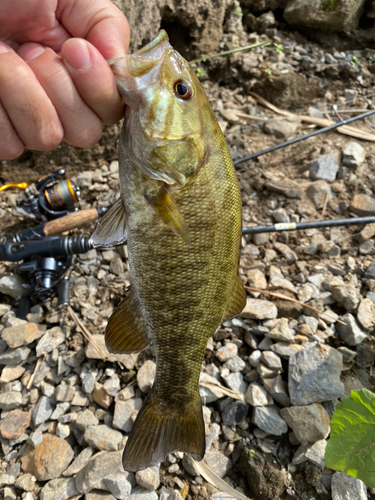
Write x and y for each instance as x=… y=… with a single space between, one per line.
x=141 y=69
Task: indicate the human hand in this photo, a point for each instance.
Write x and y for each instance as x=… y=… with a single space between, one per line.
x=53 y=86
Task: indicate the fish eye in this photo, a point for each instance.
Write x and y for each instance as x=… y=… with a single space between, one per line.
x=183 y=90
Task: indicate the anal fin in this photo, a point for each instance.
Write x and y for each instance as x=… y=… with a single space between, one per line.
x=126 y=332
x=168 y=211
x=159 y=430
x=236 y=302
x=111 y=230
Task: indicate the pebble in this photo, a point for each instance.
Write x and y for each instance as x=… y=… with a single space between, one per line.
x=256 y=395
x=99 y=495
x=268 y=419
x=119 y=486
x=226 y=352
x=79 y=462
x=49 y=459
x=140 y=493
x=259 y=309
x=122 y=418
x=42 y=411
x=281 y=332
x=64 y=392
x=59 y=489
x=234 y=412
x=346 y=295
x=362 y=204
x=280 y=128
x=26 y=482
x=345 y=487
x=306 y=384
x=12 y=285
x=13 y=357
x=101 y=397
x=285 y=350
x=286 y=251
x=319 y=193
x=146 y=376
x=312 y=452
x=218 y=463
x=22 y=334
x=10 y=400
x=148 y=478
x=366 y=314
x=235 y=364
x=50 y=340
x=14 y=424
x=325 y=168
x=103 y=438
x=353 y=155
x=86 y=419
x=309 y=423
x=278 y=389
x=351 y=332
x=254 y=358
x=236 y=382
x=256 y=278
x=272 y=360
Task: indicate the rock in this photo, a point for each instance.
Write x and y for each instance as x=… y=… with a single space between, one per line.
x=236 y=382
x=276 y=283
x=50 y=340
x=367 y=233
x=119 y=486
x=99 y=495
x=14 y=424
x=271 y=360
x=80 y=399
x=41 y=411
x=351 y=333
x=285 y=251
x=312 y=452
x=306 y=384
x=281 y=128
x=148 y=478
x=285 y=350
x=103 y=438
x=64 y=392
x=259 y=309
x=256 y=395
x=13 y=357
x=23 y=334
x=59 y=489
x=79 y=462
x=226 y=352
x=256 y=278
x=309 y=423
x=10 y=400
x=219 y=463
x=254 y=358
x=11 y=373
x=365 y=355
x=101 y=397
x=235 y=364
x=366 y=314
x=128 y=360
x=346 y=295
x=319 y=193
x=325 y=168
x=49 y=459
x=122 y=418
x=362 y=204
x=116 y=266
x=86 y=419
x=353 y=155
x=348 y=355
x=234 y=413
x=278 y=389
x=280 y=215
x=146 y=376
x=340 y=16
x=12 y=285
x=268 y=419
x=26 y=482
x=345 y=487
x=369 y=273
x=290 y=189
x=281 y=332
x=140 y=493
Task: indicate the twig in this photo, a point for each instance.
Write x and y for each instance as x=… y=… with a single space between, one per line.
x=85 y=331
x=31 y=379
x=284 y=297
x=325 y=203
x=205 y=58
x=224 y=390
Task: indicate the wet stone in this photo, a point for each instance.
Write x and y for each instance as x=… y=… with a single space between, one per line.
x=345 y=487
x=49 y=459
x=14 y=424
x=103 y=438
x=234 y=413
x=226 y=352
x=351 y=332
x=122 y=418
x=306 y=384
x=309 y=423
x=148 y=478
x=268 y=419
x=146 y=376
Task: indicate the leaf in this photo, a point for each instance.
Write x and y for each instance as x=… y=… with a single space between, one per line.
x=351 y=447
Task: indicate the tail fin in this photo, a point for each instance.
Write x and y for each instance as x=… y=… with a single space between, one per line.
x=159 y=430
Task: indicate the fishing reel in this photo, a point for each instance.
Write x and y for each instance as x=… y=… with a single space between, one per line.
x=51 y=197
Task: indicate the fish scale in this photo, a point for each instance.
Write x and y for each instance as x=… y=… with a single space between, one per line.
x=183 y=224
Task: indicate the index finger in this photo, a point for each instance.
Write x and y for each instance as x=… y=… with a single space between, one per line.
x=100 y=22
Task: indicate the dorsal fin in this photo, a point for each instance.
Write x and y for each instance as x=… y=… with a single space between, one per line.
x=111 y=230
x=126 y=332
x=236 y=302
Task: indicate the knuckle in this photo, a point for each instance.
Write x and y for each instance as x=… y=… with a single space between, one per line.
x=51 y=136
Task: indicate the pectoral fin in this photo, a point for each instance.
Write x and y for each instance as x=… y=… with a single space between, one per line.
x=236 y=302
x=126 y=332
x=112 y=227
x=168 y=211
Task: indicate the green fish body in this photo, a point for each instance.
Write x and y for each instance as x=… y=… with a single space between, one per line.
x=180 y=207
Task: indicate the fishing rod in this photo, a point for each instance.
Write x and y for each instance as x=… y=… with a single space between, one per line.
x=292 y=226
x=303 y=137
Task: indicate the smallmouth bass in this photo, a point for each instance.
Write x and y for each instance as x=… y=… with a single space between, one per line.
x=180 y=210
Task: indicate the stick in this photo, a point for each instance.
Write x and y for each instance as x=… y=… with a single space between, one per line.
x=84 y=331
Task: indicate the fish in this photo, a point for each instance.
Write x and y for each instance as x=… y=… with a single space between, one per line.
x=180 y=212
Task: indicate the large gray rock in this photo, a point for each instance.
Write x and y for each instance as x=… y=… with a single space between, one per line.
x=103 y=437
x=328 y=15
x=345 y=487
x=351 y=332
x=123 y=411
x=268 y=419
x=306 y=383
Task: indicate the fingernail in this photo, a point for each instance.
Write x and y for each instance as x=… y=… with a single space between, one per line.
x=32 y=52
x=3 y=48
x=76 y=54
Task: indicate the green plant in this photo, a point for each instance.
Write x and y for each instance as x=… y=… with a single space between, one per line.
x=351 y=447
x=279 y=47
x=199 y=72
x=267 y=71
x=372 y=58
x=356 y=62
x=251 y=453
